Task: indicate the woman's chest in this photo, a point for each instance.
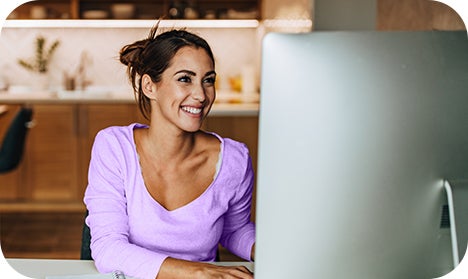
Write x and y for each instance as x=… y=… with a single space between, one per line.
x=173 y=190
x=197 y=224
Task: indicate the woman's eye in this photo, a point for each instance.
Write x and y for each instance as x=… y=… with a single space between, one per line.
x=184 y=79
x=210 y=80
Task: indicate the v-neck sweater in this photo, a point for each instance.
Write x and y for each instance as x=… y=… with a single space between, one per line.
x=132 y=232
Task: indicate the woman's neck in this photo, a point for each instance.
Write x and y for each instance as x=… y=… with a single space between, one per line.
x=168 y=145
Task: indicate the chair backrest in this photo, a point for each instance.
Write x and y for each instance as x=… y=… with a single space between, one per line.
x=85 y=241
x=11 y=150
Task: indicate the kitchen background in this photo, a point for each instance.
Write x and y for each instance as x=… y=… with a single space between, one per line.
x=43 y=196
x=236 y=46
x=99 y=48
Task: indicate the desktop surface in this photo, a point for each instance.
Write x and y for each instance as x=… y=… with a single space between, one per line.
x=41 y=268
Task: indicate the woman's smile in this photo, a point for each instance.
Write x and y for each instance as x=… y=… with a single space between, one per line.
x=193 y=110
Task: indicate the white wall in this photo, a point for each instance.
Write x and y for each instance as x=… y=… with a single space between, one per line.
x=232 y=48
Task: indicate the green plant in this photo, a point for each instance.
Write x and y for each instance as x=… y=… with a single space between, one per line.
x=41 y=62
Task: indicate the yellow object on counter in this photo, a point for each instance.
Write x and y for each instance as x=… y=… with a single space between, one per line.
x=235 y=83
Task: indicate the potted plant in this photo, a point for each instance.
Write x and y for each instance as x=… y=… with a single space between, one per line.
x=40 y=63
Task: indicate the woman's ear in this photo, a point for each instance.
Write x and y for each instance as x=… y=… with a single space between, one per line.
x=148 y=86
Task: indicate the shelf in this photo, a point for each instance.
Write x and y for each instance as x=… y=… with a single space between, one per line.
x=113 y=23
x=140 y=9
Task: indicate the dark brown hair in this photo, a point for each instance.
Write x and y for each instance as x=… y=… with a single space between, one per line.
x=153 y=56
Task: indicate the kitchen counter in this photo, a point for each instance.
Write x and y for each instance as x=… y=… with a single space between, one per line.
x=43 y=98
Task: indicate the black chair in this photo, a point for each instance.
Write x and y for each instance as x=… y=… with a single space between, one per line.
x=11 y=150
x=85 y=242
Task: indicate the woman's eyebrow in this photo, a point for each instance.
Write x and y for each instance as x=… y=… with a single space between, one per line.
x=210 y=73
x=191 y=73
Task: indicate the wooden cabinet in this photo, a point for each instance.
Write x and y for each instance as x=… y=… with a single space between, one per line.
x=51 y=156
x=60 y=146
x=143 y=9
x=53 y=173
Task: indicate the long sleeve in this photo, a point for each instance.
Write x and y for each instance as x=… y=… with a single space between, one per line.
x=105 y=199
x=239 y=232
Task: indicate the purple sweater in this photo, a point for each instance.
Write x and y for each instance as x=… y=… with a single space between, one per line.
x=132 y=232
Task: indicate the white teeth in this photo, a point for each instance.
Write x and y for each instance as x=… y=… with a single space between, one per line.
x=192 y=110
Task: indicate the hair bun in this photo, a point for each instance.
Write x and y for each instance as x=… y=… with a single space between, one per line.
x=130 y=54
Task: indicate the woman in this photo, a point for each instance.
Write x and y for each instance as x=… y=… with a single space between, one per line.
x=161 y=197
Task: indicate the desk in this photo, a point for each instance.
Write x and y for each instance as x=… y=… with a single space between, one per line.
x=39 y=268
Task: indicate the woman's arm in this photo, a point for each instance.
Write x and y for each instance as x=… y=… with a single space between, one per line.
x=105 y=199
x=239 y=232
x=174 y=268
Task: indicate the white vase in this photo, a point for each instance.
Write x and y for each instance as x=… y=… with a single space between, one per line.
x=40 y=82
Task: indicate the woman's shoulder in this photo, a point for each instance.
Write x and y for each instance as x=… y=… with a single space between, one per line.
x=118 y=132
x=235 y=156
x=236 y=170
x=116 y=136
x=230 y=145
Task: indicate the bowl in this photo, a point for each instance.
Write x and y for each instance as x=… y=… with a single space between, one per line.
x=95 y=14
x=123 y=11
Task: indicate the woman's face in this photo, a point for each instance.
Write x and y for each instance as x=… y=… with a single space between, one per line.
x=186 y=92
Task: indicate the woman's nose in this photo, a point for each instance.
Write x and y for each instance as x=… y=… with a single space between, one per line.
x=198 y=93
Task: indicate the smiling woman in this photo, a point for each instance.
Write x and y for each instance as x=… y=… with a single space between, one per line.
x=161 y=197
x=152 y=57
x=187 y=83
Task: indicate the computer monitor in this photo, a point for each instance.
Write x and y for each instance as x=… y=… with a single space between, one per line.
x=357 y=133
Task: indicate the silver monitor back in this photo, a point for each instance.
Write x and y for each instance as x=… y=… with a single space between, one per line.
x=357 y=132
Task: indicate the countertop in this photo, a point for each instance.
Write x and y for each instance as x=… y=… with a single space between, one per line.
x=42 y=268
x=225 y=108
